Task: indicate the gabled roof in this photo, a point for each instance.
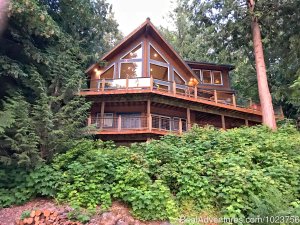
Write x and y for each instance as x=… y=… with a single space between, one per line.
x=149 y=29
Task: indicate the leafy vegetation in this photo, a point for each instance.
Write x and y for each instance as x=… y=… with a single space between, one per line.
x=43 y=54
x=219 y=31
x=238 y=173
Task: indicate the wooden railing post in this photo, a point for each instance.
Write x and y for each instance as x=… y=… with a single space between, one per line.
x=250 y=103
x=195 y=92
x=180 y=126
x=216 y=96
x=233 y=100
x=151 y=83
x=174 y=88
x=119 y=123
x=127 y=82
x=103 y=84
x=159 y=122
x=188 y=117
x=150 y=122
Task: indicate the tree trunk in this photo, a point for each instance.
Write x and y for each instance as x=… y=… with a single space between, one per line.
x=263 y=88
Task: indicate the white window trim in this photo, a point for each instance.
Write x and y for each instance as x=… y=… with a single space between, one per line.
x=151 y=45
x=174 y=70
x=105 y=115
x=120 y=64
x=168 y=67
x=200 y=75
x=220 y=76
x=141 y=44
x=113 y=64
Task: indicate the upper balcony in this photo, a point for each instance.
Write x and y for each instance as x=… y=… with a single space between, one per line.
x=220 y=98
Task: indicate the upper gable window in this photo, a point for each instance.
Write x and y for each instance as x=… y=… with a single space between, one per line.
x=178 y=79
x=135 y=53
x=198 y=73
x=154 y=55
x=108 y=74
x=212 y=77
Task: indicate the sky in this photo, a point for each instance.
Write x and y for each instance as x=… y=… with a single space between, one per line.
x=131 y=13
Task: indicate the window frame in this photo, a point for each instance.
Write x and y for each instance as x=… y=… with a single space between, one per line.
x=212 y=78
x=105 y=114
x=175 y=71
x=200 y=75
x=120 y=61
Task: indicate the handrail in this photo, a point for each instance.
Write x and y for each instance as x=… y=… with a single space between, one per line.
x=128 y=122
x=220 y=97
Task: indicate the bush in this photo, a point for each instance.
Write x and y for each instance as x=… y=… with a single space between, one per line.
x=234 y=173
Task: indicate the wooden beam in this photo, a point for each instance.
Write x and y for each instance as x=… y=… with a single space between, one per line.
x=151 y=83
x=188 y=116
x=233 y=100
x=119 y=123
x=216 y=96
x=223 y=122
x=180 y=126
x=103 y=85
x=149 y=117
x=102 y=114
x=195 y=92
x=150 y=122
x=89 y=121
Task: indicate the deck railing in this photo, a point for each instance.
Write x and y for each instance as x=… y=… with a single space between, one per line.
x=148 y=123
x=221 y=97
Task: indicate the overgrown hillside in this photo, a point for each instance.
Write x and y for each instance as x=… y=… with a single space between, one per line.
x=236 y=174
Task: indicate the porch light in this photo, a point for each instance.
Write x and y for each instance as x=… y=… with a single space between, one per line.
x=98 y=72
x=193 y=82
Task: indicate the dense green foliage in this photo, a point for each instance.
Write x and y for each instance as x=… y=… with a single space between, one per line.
x=235 y=173
x=220 y=31
x=44 y=50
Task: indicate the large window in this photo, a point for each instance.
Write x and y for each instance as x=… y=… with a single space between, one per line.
x=159 y=72
x=130 y=65
x=130 y=70
x=209 y=76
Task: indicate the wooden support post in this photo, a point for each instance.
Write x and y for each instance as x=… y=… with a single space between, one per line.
x=223 y=122
x=119 y=123
x=188 y=116
x=127 y=82
x=102 y=114
x=250 y=103
x=149 y=114
x=174 y=88
x=151 y=83
x=247 y=122
x=180 y=126
x=216 y=96
x=103 y=84
x=150 y=122
x=195 y=92
x=89 y=121
x=233 y=100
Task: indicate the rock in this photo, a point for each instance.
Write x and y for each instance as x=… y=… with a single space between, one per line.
x=121 y=222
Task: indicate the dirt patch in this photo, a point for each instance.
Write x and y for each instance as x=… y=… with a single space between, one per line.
x=119 y=214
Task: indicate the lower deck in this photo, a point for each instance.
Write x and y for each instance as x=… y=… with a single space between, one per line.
x=141 y=120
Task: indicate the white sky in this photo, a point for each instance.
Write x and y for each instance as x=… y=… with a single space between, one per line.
x=131 y=13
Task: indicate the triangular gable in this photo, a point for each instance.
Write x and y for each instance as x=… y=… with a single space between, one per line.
x=148 y=28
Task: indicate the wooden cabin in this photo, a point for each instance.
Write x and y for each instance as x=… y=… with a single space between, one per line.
x=145 y=89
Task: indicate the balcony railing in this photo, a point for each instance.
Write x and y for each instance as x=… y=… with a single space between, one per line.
x=219 y=97
x=146 y=123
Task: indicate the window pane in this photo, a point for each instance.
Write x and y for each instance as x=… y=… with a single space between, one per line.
x=108 y=74
x=198 y=73
x=159 y=72
x=206 y=77
x=178 y=79
x=132 y=70
x=136 y=53
x=217 y=77
x=155 y=55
